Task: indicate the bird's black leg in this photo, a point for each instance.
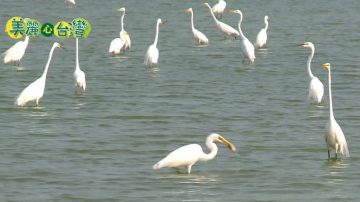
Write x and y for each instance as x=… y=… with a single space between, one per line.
x=335 y=155
x=328 y=154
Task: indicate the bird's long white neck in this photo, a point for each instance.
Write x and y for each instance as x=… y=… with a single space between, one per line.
x=330 y=96
x=77 y=55
x=266 y=24
x=310 y=74
x=212 y=13
x=192 y=20
x=157 y=33
x=48 y=62
x=242 y=36
x=213 y=151
x=122 y=20
x=26 y=41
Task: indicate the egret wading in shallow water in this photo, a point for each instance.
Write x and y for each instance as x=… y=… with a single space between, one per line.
x=79 y=75
x=16 y=52
x=261 y=38
x=334 y=137
x=218 y=9
x=115 y=46
x=316 y=87
x=118 y=44
x=124 y=35
x=35 y=90
x=226 y=29
x=188 y=155
x=152 y=54
x=246 y=46
x=200 y=38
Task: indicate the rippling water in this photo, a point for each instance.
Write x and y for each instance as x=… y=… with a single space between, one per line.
x=101 y=146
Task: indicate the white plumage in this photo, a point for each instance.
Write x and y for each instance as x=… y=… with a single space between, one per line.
x=316 y=87
x=16 y=52
x=334 y=137
x=188 y=155
x=226 y=29
x=70 y=2
x=261 y=38
x=246 y=46
x=35 y=90
x=152 y=54
x=199 y=37
x=218 y=9
x=116 y=45
x=124 y=35
x=79 y=75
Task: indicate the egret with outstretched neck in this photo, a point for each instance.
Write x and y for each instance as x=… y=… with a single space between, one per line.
x=35 y=90
x=316 y=87
x=79 y=75
x=261 y=38
x=246 y=46
x=334 y=137
x=124 y=35
x=226 y=29
x=152 y=54
x=199 y=37
x=188 y=155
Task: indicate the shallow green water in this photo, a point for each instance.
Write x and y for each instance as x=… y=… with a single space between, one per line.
x=101 y=146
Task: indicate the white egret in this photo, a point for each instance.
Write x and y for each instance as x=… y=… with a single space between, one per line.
x=261 y=38
x=316 y=87
x=152 y=54
x=16 y=52
x=188 y=155
x=79 y=75
x=200 y=38
x=246 y=46
x=124 y=35
x=335 y=138
x=70 y=2
x=35 y=90
x=218 y=9
x=226 y=29
x=115 y=46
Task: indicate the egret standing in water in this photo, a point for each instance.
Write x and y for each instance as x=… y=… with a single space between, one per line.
x=118 y=44
x=35 y=90
x=79 y=75
x=152 y=54
x=16 y=52
x=218 y=9
x=200 y=38
x=334 y=138
x=226 y=29
x=188 y=155
x=261 y=38
x=247 y=47
x=316 y=88
x=124 y=35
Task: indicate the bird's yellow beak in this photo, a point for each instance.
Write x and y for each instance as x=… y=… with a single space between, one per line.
x=226 y=142
x=326 y=65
